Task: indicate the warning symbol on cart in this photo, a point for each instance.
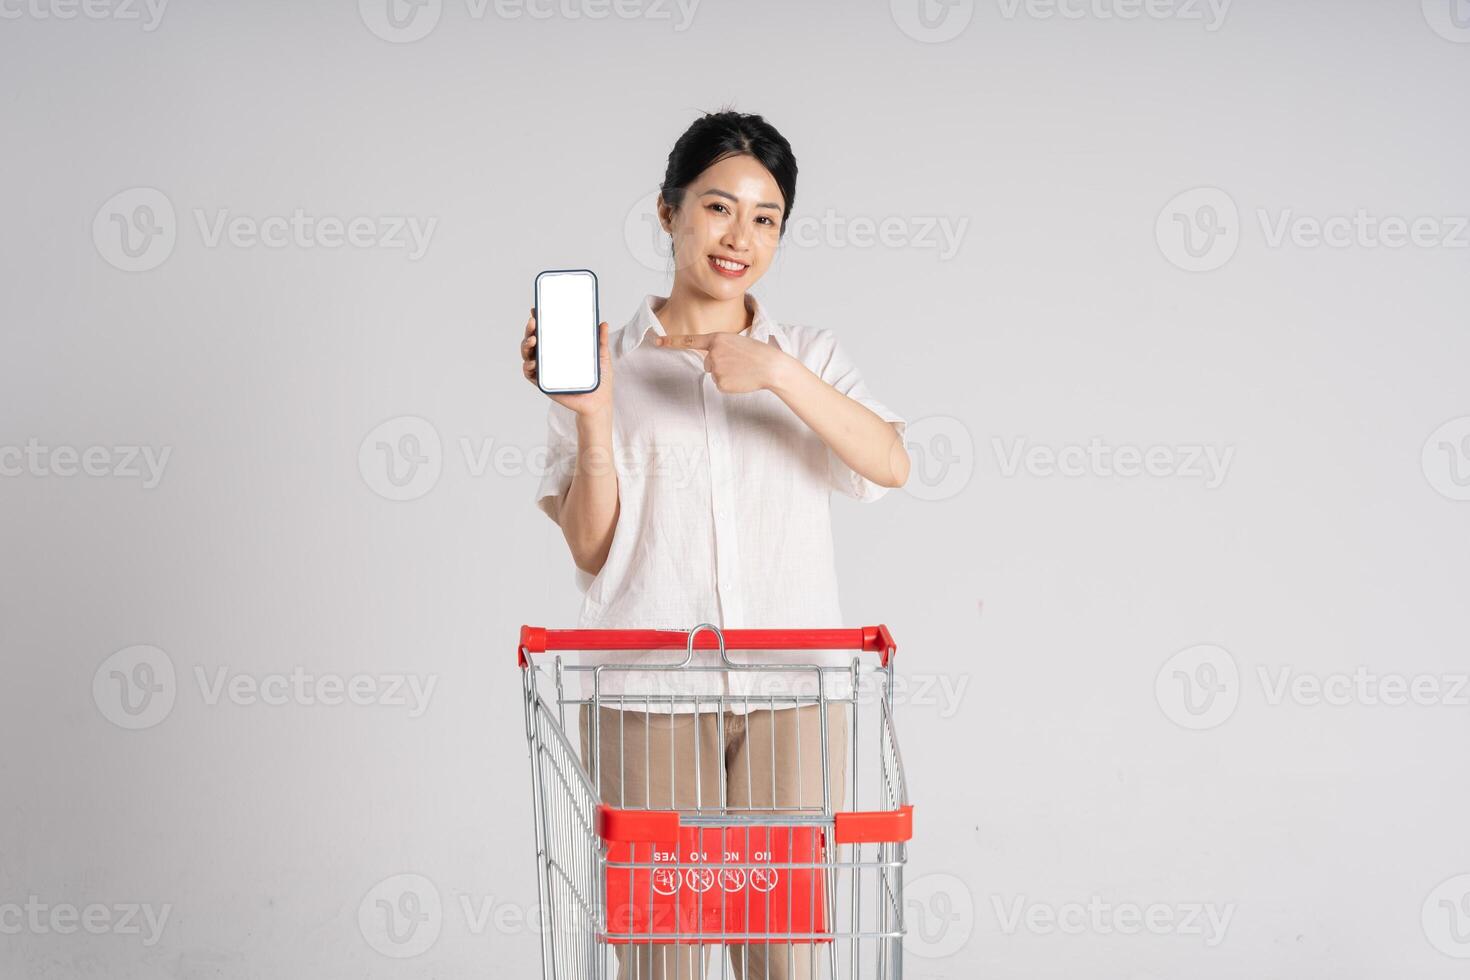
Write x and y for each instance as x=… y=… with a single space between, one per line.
x=665 y=880
x=732 y=879
x=700 y=879
x=763 y=879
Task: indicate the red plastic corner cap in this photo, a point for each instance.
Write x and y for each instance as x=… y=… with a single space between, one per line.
x=874 y=826
x=886 y=647
x=533 y=640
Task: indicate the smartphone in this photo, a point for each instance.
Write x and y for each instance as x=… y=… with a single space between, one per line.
x=566 y=332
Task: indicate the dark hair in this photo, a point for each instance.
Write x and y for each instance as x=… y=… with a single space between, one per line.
x=718 y=135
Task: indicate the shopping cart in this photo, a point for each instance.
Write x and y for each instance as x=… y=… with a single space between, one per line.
x=721 y=821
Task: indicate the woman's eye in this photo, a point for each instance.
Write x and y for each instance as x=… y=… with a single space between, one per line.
x=724 y=210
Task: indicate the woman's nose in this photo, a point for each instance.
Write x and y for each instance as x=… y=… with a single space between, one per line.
x=737 y=237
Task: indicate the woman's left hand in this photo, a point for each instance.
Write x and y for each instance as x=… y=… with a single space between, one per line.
x=738 y=364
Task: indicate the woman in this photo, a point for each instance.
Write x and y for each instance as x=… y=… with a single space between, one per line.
x=693 y=486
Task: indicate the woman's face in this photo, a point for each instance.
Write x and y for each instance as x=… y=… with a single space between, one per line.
x=732 y=211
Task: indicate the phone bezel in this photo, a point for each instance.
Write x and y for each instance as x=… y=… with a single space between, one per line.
x=596 y=320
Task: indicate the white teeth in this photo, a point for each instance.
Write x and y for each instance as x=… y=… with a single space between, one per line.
x=726 y=264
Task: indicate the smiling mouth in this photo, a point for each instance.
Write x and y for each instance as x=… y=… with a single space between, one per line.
x=728 y=267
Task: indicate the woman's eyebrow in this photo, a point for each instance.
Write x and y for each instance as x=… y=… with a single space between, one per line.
x=716 y=190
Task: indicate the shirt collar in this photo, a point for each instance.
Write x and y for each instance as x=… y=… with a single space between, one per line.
x=762 y=326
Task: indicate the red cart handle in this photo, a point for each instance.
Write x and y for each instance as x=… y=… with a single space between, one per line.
x=849 y=827
x=873 y=639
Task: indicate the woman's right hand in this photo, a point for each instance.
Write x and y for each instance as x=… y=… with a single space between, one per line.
x=588 y=403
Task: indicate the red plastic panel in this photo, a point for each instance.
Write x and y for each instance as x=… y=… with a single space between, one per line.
x=725 y=882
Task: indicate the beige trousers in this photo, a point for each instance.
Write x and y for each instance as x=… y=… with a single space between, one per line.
x=764 y=760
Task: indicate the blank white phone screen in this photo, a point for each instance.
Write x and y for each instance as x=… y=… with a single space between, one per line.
x=566 y=330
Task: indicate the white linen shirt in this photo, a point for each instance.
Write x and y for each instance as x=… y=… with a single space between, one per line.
x=724 y=514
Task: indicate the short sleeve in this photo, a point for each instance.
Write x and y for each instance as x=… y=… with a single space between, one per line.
x=840 y=372
x=561 y=459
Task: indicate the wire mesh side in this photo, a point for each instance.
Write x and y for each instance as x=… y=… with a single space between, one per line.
x=568 y=848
